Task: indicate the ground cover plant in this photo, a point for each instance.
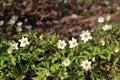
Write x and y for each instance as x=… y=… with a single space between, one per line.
x=59 y=40
x=94 y=55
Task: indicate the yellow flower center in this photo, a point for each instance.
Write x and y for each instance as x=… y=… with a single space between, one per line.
x=13 y=47
x=61 y=44
x=86 y=36
x=74 y=43
x=24 y=41
x=86 y=64
x=66 y=61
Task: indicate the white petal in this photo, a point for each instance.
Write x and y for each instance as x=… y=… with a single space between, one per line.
x=22 y=45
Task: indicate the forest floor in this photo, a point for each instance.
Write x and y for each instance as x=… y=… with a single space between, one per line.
x=67 y=19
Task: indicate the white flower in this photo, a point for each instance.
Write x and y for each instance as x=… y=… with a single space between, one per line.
x=73 y=43
x=85 y=36
x=18 y=28
x=66 y=62
x=86 y=65
x=116 y=49
x=101 y=19
x=11 y=21
x=102 y=42
x=61 y=44
x=24 y=42
x=107 y=27
x=19 y=24
x=13 y=46
x=1 y=22
x=108 y=17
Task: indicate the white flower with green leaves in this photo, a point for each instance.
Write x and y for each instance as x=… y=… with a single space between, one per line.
x=86 y=65
x=100 y=19
x=107 y=27
x=61 y=44
x=13 y=46
x=23 y=42
x=66 y=62
x=73 y=43
x=85 y=36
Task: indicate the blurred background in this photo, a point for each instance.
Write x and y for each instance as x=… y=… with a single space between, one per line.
x=65 y=17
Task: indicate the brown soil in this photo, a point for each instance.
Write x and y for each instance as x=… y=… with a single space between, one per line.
x=56 y=17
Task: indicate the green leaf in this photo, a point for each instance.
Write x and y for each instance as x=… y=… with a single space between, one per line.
x=92 y=76
x=109 y=57
x=13 y=61
x=115 y=60
x=55 y=67
x=102 y=56
x=26 y=68
x=55 y=57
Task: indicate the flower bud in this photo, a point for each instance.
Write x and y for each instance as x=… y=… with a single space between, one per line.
x=116 y=49
x=102 y=43
x=93 y=59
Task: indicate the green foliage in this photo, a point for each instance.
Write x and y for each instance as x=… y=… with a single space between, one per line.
x=89 y=1
x=86 y=1
x=42 y=59
x=8 y=2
